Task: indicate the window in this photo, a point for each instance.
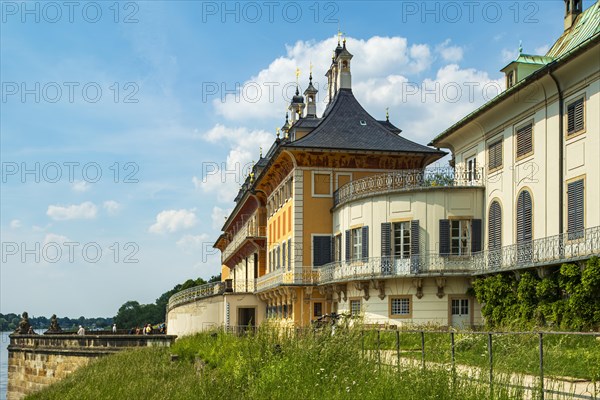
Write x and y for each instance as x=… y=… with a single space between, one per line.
x=495 y=155
x=289 y=254
x=460 y=307
x=525 y=140
x=355 y=306
x=495 y=226
x=400 y=307
x=575 y=120
x=283 y=254
x=471 y=169
x=524 y=217
x=510 y=79
x=356 y=243
x=321 y=250
x=575 y=203
x=337 y=248
x=401 y=244
x=317 y=309
x=460 y=237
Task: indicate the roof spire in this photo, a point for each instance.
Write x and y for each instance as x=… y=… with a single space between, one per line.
x=520 y=47
x=339 y=33
x=387 y=114
x=260 y=149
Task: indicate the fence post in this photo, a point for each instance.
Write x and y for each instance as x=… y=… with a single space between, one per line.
x=362 y=342
x=423 y=349
x=541 y=335
x=398 y=348
x=452 y=350
x=491 y=357
x=379 y=349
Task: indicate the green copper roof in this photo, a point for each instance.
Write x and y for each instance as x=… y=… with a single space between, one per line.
x=585 y=26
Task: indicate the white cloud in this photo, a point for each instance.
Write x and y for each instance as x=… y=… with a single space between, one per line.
x=112 y=207
x=85 y=210
x=55 y=238
x=449 y=53
x=218 y=217
x=173 y=221
x=15 y=224
x=80 y=186
x=268 y=93
x=508 y=56
x=542 y=50
x=225 y=178
x=190 y=243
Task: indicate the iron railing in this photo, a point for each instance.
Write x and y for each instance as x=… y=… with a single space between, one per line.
x=407 y=180
x=249 y=228
x=195 y=293
x=298 y=276
x=539 y=252
x=390 y=267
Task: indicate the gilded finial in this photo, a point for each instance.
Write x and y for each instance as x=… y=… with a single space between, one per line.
x=297 y=75
x=277 y=133
x=339 y=34
x=310 y=68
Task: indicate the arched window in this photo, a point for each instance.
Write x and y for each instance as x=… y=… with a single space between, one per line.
x=495 y=226
x=524 y=227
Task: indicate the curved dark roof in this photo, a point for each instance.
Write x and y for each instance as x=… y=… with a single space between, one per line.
x=346 y=125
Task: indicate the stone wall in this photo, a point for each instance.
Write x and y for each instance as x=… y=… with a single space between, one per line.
x=36 y=361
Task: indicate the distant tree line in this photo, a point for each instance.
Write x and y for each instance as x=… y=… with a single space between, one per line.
x=10 y=321
x=133 y=314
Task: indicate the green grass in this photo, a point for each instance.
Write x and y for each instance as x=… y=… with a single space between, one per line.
x=268 y=365
x=564 y=355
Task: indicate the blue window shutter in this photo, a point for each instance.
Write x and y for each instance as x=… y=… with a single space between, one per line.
x=365 y=242
x=444 y=237
x=348 y=244
x=475 y=236
x=386 y=246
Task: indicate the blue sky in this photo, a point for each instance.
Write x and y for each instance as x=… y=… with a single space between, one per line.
x=135 y=91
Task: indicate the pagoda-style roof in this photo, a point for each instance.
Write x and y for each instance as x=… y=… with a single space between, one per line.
x=347 y=126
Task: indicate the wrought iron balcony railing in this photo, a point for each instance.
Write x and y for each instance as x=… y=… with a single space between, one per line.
x=566 y=247
x=280 y=277
x=407 y=180
x=390 y=267
x=552 y=250
x=250 y=228
x=195 y=293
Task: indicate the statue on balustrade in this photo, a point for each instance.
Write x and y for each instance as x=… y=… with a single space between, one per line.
x=24 y=326
x=54 y=327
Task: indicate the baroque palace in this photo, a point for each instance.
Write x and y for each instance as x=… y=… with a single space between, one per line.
x=343 y=214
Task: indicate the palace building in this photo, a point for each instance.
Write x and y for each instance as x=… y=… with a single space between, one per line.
x=344 y=214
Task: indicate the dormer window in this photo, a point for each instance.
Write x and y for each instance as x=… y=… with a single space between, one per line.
x=363 y=122
x=510 y=79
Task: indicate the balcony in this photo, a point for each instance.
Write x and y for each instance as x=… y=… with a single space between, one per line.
x=407 y=180
x=304 y=276
x=389 y=267
x=551 y=250
x=248 y=229
x=195 y=293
